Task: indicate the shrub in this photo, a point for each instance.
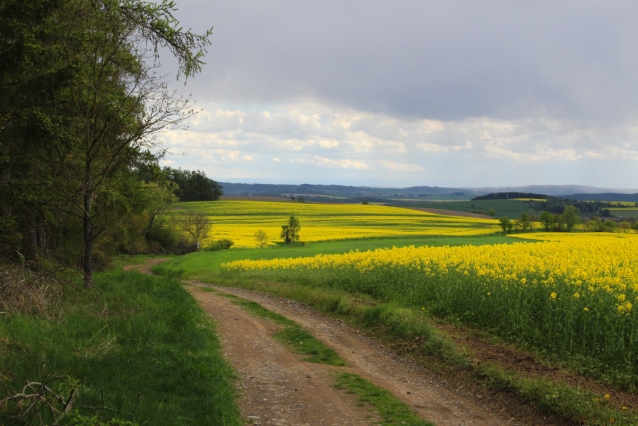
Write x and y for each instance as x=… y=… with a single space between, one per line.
x=223 y=244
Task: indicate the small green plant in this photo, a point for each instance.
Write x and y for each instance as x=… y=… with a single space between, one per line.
x=261 y=238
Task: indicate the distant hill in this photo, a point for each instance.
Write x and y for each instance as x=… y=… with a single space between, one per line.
x=555 y=190
x=607 y=196
x=345 y=191
x=510 y=195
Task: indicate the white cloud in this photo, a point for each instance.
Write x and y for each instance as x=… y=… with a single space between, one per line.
x=321 y=136
x=399 y=167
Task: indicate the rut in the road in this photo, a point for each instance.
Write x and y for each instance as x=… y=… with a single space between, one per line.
x=278 y=387
x=410 y=383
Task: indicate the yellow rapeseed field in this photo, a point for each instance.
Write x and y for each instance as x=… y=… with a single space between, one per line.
x=238 y=221
x=575 y=294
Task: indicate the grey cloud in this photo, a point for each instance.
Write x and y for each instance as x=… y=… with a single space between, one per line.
x=440 y=60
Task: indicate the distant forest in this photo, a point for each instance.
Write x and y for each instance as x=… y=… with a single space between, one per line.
x=509 y=195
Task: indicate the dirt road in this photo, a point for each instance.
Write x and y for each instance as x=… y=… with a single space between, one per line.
x=279 y=388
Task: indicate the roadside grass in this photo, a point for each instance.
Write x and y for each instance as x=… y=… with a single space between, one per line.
x=292 y=335
x=389 y=407
x=433 y=348
x=203 y=265
x=138 y=347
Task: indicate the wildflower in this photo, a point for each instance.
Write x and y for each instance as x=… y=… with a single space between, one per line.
x=553 y=296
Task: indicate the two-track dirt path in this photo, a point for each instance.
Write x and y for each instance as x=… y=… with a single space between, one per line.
x=279 y=388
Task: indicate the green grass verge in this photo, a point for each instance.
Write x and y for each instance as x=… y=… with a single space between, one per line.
x=138 y=346
x=439 y=353
x=201 y=265
x=293 y=335
x=389 y=407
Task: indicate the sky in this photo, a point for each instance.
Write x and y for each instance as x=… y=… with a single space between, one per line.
x=403 y=93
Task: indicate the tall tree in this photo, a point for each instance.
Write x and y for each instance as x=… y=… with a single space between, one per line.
x=100 y=104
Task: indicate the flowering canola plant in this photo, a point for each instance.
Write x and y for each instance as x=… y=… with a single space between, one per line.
x=238 y=221
x=578 y=295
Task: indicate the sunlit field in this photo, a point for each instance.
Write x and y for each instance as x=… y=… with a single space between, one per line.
x=573 y=296
x=238 y=221
x=582 y=237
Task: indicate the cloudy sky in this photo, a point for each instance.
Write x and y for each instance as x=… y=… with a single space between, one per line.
x=401 y=93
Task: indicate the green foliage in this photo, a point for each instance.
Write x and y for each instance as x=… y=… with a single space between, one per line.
x=79 y=105
x=506 y=224
x=290 y=232
x=547 y=219
x=194 y=185
x=570 y=217
x=222 y=244
x=140 y=344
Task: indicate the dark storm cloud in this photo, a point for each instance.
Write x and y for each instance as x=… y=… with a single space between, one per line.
x=440 y=60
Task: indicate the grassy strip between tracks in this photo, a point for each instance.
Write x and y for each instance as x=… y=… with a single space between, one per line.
x=292 y=334
x=389 y=407
x=135 y=348
x=440 y=353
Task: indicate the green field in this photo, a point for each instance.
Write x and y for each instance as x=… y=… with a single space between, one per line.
x=625 y=213
x=509 y=208
x=203 y=265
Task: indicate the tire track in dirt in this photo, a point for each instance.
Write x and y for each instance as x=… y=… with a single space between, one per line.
x=414 y=385
x=279 y=388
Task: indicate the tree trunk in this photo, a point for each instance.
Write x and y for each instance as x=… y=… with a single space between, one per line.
x=88 y=240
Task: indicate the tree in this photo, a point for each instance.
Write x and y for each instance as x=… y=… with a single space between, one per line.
x=194 y=185
x=505 y=224
x=532 y=220
x=197 y=225
x=570 y=217
x=492 y=213
x=547 y=219
x=609 y=226
x=261 y=238
x=525 y=222
x=290 y=232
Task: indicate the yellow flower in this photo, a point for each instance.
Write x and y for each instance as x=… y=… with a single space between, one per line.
x=553 y=296
x=606 y=396
x=585 y=309
x=576 y=295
